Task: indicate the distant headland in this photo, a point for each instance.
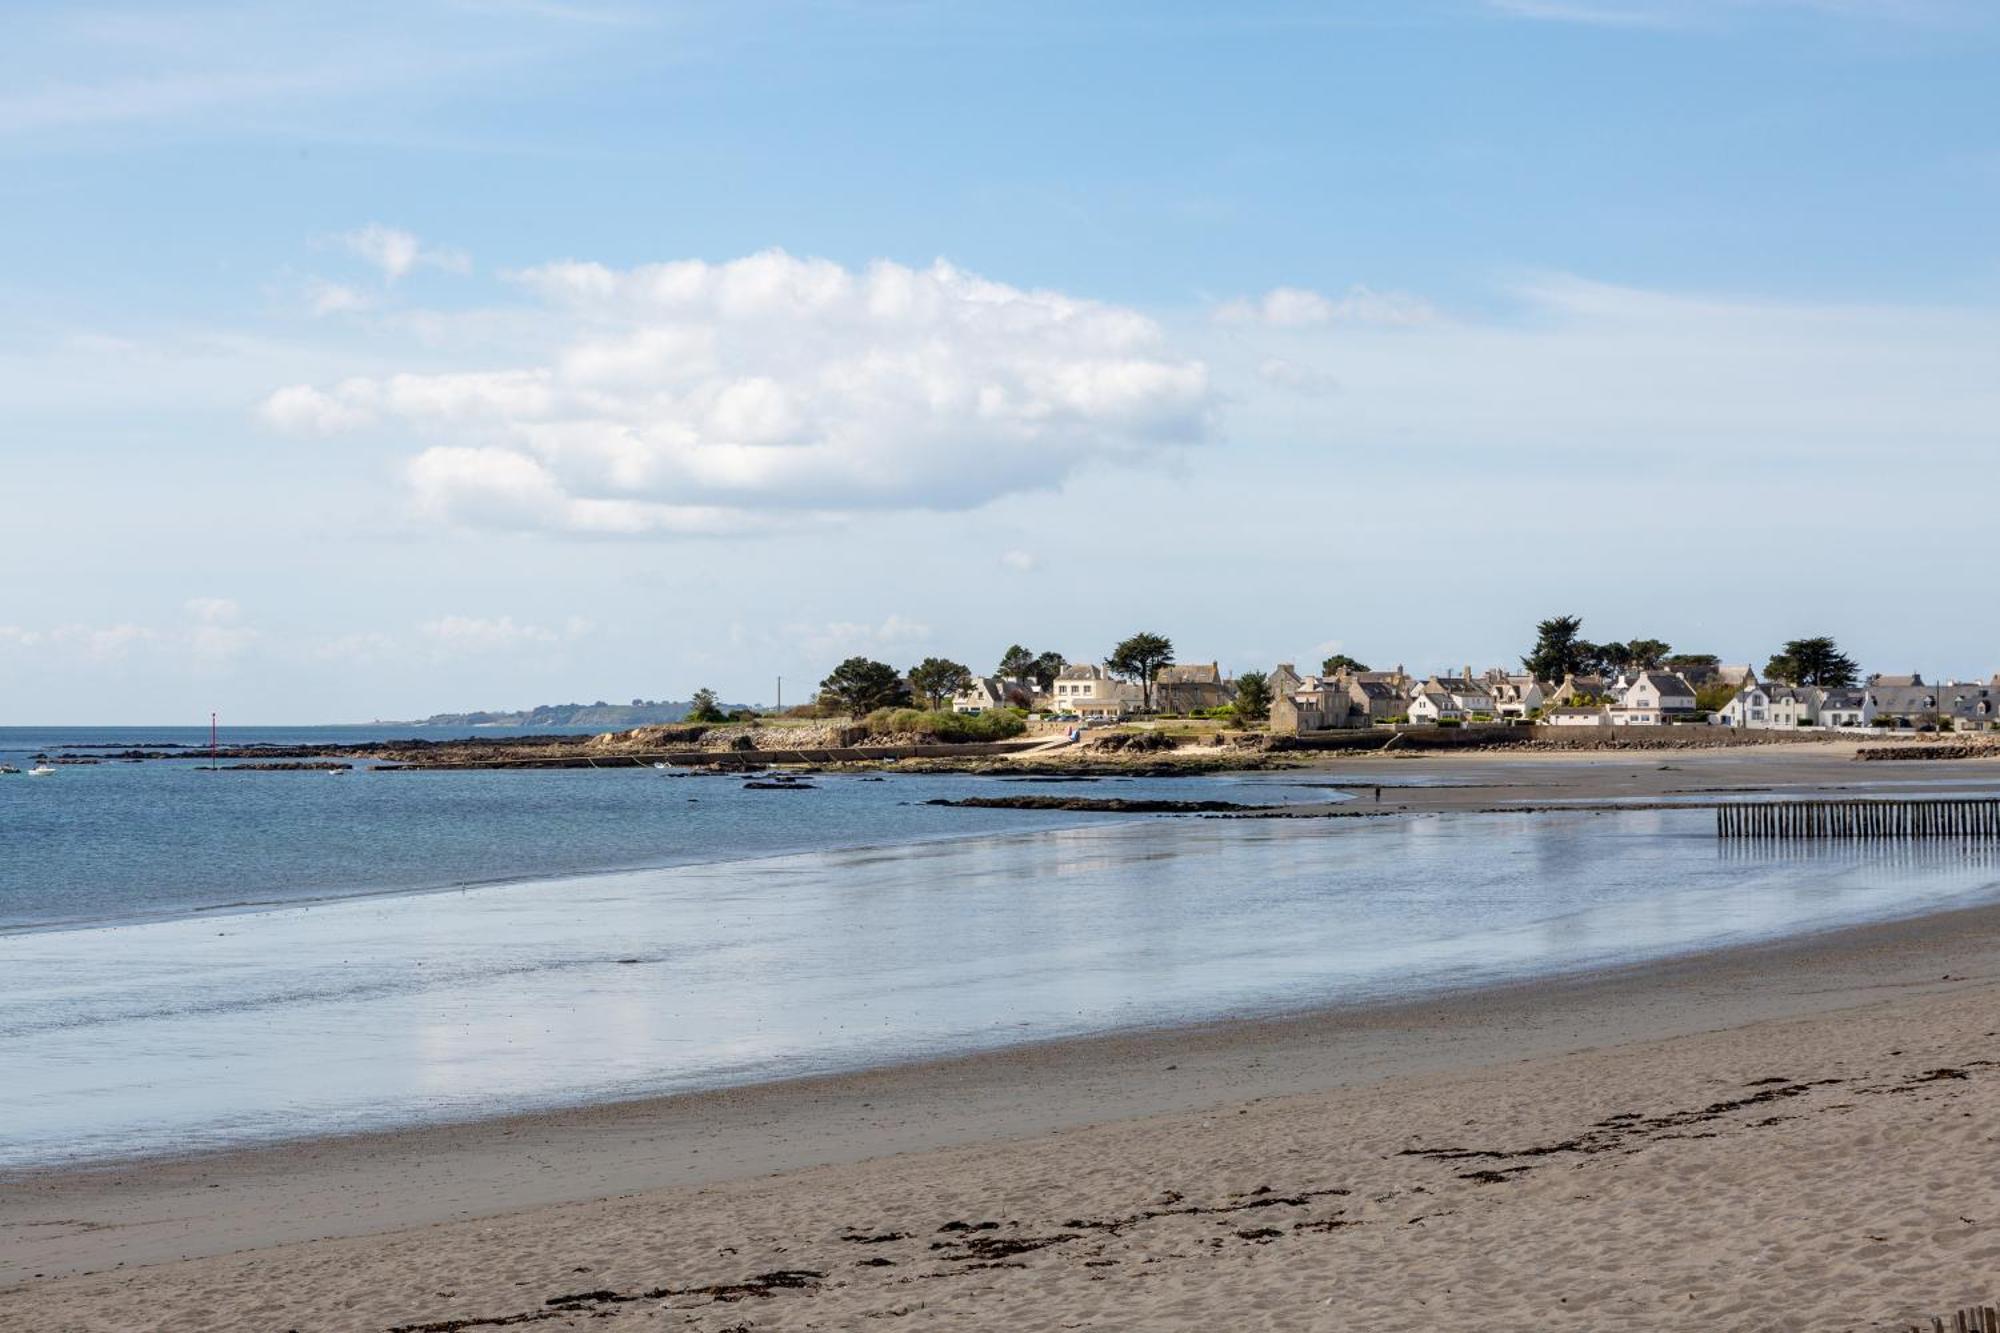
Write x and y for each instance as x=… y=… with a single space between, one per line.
x=609 y=716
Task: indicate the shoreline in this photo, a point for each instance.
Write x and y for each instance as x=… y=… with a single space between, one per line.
x=76 y=1220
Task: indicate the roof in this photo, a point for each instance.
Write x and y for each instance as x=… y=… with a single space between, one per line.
x=1209 y=673
x=1666 y=682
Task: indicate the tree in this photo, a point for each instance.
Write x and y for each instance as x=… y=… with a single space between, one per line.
x=1561 y=650
x=1047 y=667
x=1648 y=654
x=1140 y=658
x=1714 y=698
x=1341 y=662
x=1015 y=663
x=1689 y=661
x=1813 y=662
x=938 y=678
x=860 y=686
x=1253 y=696
x=704 y=707
x=1615 y=656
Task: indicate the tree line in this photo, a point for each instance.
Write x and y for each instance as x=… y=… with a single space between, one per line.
x=1561 y=650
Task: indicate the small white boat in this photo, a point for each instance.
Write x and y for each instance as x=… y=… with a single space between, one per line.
x=41 y=771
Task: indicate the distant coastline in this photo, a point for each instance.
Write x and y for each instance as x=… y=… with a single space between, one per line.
x=610 y=716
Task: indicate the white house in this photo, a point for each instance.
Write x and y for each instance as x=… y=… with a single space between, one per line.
x=1090 y=691
x=1431 y=706
x=1844 y=708
x=1766 y=707
x=1576 y=717
x=1653 y=698
x=1467 y=694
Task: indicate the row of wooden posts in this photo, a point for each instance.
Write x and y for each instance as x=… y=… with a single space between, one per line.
x=1972 y=1319
x=1860 y=819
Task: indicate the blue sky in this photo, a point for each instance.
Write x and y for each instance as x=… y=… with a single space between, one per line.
x=466 y=354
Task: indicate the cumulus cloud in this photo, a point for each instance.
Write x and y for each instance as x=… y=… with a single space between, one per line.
x=1294 y=307
x=697 y=397
x=396 y=252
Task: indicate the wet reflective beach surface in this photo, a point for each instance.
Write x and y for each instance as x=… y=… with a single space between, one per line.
x=217 y=1028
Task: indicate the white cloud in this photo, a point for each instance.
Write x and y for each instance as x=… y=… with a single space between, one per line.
x=333 y=298
x=456 y=635
x=396 y=252
x=211 y=637
x=841 y=639
x=1295 y=307
x=1023 y=561
x=697 y=397
x=304 y=410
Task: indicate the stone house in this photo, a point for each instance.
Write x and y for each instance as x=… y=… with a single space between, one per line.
x=1318 y=703
x=1191 y=688
x=988 y=692
x=1376 y=700
x=1578 y=691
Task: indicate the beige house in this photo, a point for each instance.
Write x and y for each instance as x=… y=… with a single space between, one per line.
x=1515 y=696
x=1089 y=691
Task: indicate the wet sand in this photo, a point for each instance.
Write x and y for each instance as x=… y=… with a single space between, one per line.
x=1740 y=1139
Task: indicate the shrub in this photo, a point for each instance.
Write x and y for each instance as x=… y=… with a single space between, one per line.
x=954 y=728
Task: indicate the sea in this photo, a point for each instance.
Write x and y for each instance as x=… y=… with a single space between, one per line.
x=195 y=959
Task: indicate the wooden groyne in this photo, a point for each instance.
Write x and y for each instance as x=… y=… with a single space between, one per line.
x=1860 y=819
x=1970 y=1319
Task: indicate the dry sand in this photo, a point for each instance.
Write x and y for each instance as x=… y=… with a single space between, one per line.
x=1801 y=1135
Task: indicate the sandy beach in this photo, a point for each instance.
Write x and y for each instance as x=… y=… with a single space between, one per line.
x=1791 y=1135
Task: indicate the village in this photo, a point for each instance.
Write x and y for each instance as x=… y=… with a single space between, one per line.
x=1346 y=695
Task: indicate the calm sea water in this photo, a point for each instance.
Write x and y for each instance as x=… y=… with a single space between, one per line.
x=117 y=841
x=752 y=935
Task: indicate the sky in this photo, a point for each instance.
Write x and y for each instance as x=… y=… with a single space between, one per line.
x=369 y=361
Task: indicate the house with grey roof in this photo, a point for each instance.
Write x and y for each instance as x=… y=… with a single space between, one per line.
x=1652 y=699
x=1768 y=705
x=1191 y=687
